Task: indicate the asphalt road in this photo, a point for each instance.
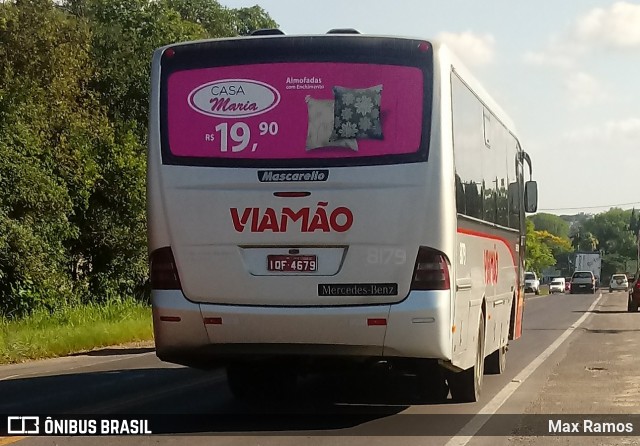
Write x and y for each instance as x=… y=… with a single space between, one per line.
x=326 y=409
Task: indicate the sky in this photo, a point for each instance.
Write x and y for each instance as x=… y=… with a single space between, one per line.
x=567 y=73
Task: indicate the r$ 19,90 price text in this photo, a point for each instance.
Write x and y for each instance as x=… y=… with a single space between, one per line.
x=237 y=137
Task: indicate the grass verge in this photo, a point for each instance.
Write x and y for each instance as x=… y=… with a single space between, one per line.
x=74 y=329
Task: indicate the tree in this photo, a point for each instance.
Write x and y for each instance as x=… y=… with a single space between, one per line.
x=250 y=19
x=538 y=254
x=559 y=246
x=50 y=127
x=634 y=222
x=584 y=241
x=552 y=224
x=611 y=229
x=219 y=21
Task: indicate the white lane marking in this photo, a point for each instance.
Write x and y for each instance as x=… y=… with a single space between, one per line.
x=537 y=297
x=465 y=435
x=9 y=377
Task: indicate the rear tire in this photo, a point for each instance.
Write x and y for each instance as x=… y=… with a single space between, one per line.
x=632 y=305
x=432 y=384
x=537 y=291
x=496 y=362
x=465 y=386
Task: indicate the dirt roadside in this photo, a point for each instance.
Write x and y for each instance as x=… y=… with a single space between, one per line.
x=600 y=375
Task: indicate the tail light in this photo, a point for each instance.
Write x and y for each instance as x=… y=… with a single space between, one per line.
x=431 y=271
x=637 y=287
x=163 y=271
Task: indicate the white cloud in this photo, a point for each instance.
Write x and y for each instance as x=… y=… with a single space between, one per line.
x=473 y=49
x=629 y=128
x=584 y=89
x=616 y=27
x=551 y=59
x=615 y=134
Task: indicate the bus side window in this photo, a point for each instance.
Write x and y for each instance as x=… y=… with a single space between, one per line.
x=514 y=205
x=473 y=200
x=460 y=201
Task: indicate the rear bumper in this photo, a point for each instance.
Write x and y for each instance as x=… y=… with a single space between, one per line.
x=582 y=288
x=619 y=287
x=417 y=327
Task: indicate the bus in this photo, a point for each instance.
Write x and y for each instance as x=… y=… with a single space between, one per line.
x=333 y=200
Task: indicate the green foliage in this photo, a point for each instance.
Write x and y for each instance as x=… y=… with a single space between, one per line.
x=74 y=94
x=616 y=263
x=611 y=229
x=72 y=329
x=584 y=241
x=551 y=223
x=559 y=246
x=538 y=254
x=614 y=233
x=247 y=20
x=634 y=222
x=48 y=126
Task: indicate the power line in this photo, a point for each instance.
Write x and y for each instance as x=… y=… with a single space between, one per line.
x=590 y=207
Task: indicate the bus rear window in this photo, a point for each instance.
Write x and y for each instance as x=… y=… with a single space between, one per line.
x=304 y=111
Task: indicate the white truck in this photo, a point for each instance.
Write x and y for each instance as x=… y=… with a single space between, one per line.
x=589 y=261
x=531 y=283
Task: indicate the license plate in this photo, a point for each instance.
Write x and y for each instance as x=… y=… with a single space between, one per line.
x=292 y=264
x=583 y=286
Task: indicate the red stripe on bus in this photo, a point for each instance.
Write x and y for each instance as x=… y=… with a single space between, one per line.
x=492 y=237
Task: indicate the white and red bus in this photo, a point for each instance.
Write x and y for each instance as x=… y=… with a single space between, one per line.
x=317 y=200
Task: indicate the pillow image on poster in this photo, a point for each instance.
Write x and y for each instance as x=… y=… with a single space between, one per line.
x=357 y=113
x=320 y=126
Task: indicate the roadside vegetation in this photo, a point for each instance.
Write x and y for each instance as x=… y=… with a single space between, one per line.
x=73 y=329
x=74 y=86
x=553 y=240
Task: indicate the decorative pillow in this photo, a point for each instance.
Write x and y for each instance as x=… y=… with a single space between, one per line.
x=321 y=126
x=357 y=113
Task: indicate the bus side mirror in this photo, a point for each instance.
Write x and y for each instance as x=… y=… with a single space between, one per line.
x=531 y=196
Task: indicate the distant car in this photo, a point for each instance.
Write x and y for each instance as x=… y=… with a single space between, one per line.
x=557 y=285
x=531 y=283
x=618 y=282
x=583 y=282
x=634 y=294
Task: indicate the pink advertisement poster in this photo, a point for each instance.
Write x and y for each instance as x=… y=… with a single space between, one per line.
x=295 y=111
